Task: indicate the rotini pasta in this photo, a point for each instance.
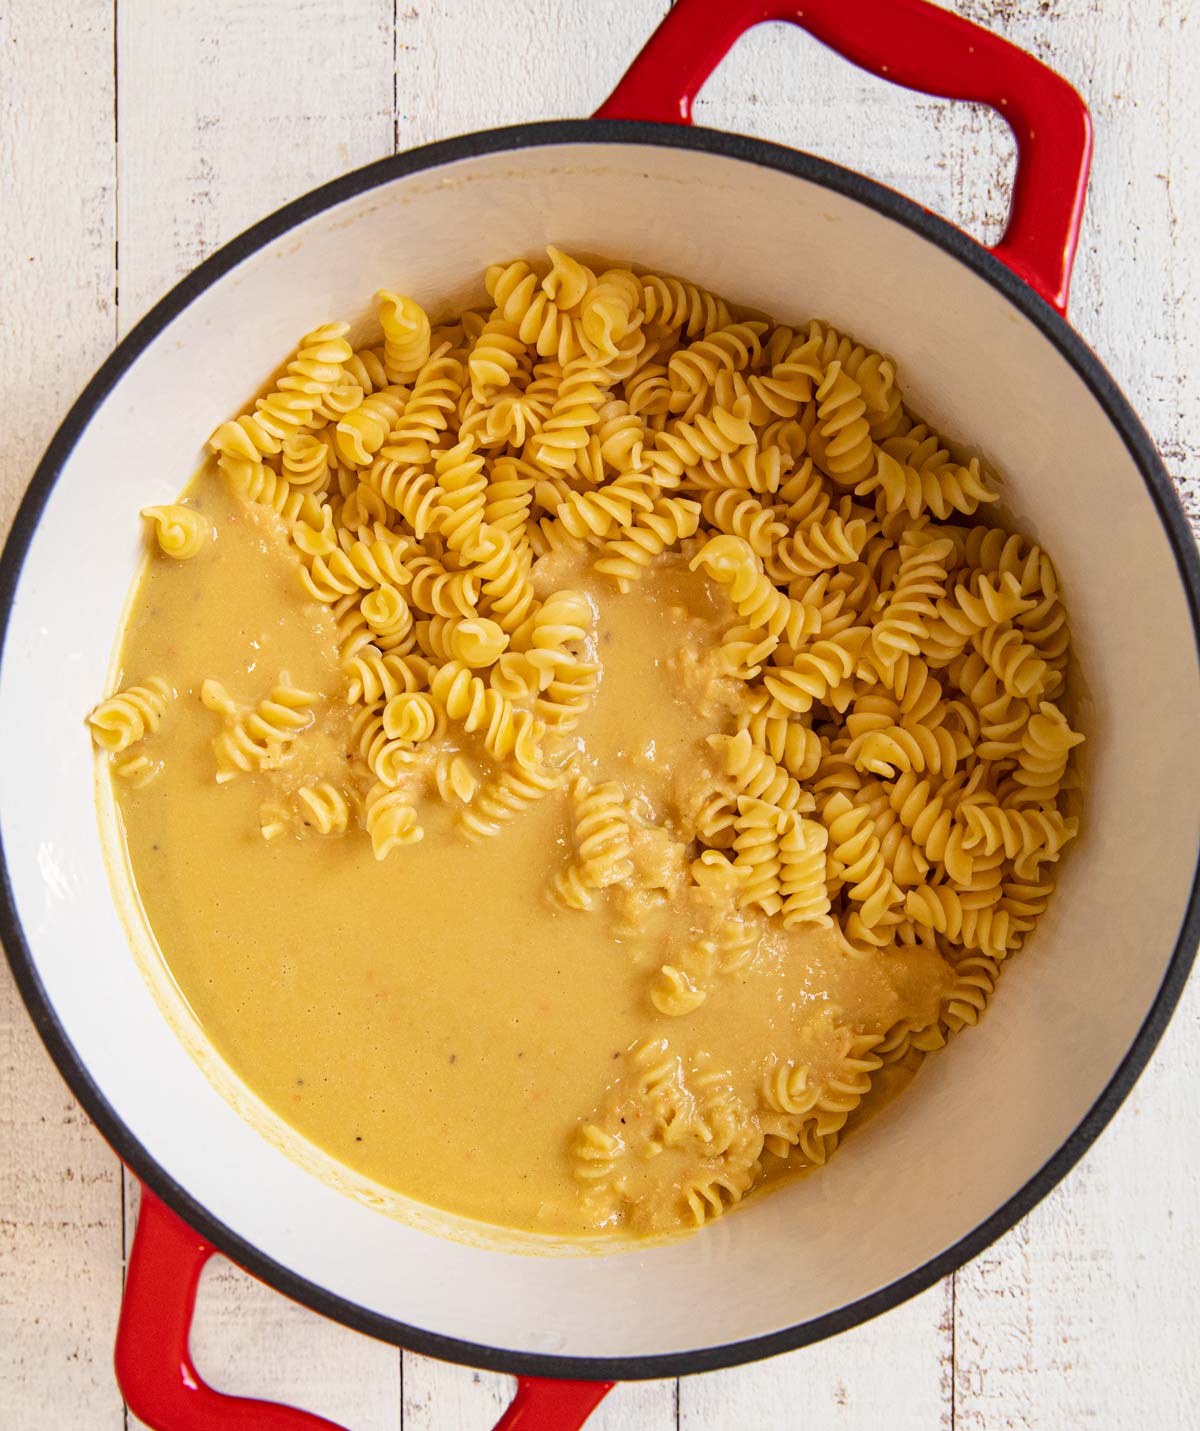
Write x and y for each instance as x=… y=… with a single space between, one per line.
x=502 y=799
x=406 y=336
x=602 y=843
x=129 y=716
x=180 y=531
x=625 y=557
x=324 y=807
x=390 y=820
x=256 y=738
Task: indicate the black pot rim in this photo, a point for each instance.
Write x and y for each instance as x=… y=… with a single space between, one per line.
x=753 y=151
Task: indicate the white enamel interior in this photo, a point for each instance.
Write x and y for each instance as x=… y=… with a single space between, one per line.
x=983 y=1117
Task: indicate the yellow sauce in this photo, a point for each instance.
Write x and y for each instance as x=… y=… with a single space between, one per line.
x=433 y=1020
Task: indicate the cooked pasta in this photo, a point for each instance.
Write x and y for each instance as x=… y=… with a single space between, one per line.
x=389 y=819
x=129 y=716
x=324 y=808
x=180 y=531
x=674 y=744
x=136 y=768
x=256 y=738
x=602 y=844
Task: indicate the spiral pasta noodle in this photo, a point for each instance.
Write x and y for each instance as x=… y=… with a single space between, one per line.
x=324 y=807
x=129 y=716
x=733 y=562
x=626 y=556
x=540 y=310
x=857 y=859
x=602 y=843
x=427 y=413
x=758 y=827
x=920 y=583
x=576 y=410
x=356 y=566
x=179 y=531
x=504 y=573
x=364 y=430
x=693 y=371
x=503 y=799
x=745 y=517
x=803 y=886
x=593 y=514
x=256 y=738
x=440 y=592
x=506 y=731
x=406 y=335
x=390 y=820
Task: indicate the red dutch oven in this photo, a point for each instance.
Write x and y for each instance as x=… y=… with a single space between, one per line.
x=991 y=1124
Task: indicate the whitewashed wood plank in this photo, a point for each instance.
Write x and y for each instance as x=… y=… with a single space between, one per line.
x=60 y=1242
x=438 y=1395
x=1137 y=290
x=254 y=103
x=227 y=111
x=463 y=67
x=639 y=1406
x=58 y=182
x=1085 y=1314
x=778 y=83
x=257 y=1343
x=896 y=1371
x=60 y=1197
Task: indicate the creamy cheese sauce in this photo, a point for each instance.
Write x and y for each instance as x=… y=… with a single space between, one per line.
x=433 y=1020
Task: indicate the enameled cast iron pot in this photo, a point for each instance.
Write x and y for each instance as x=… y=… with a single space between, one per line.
x=991 y=1124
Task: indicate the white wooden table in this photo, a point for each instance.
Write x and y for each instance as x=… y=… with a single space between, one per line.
x=135 y=137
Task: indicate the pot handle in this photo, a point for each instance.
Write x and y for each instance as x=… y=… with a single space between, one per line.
x=923 y=47
x=162 y=1387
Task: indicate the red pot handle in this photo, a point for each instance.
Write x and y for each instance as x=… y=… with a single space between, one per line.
x=162 y=1387
x=923 y=47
